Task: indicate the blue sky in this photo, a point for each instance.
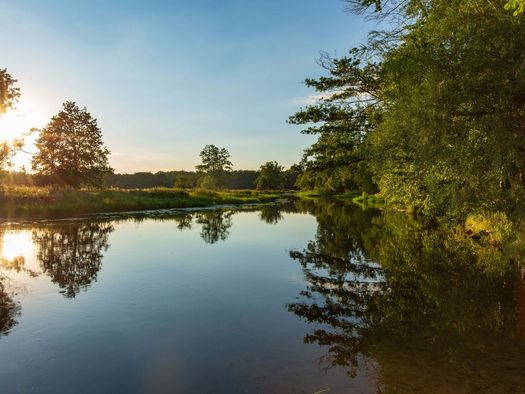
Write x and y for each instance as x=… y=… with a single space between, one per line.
x=165 y=78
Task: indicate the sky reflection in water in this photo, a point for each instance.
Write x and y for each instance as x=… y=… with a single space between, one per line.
x=301 y=297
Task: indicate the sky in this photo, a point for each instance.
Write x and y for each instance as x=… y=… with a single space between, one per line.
x=165 y=78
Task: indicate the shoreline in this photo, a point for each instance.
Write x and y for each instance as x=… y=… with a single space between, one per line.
x=145 y=214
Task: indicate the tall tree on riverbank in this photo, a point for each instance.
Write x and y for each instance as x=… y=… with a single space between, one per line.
x=344 y=113
x=215 y=165
x=70 y=149
x=431 y=111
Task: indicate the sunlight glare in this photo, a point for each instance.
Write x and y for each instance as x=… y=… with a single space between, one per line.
x=17 y=123
x=16 y=244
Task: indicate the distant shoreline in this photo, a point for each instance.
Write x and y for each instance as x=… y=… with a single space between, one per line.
x=34 y=203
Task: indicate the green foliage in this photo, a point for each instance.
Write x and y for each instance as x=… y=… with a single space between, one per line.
x=292 y=175
x=449 y=138
x=342 y=117
x=70 y=149
x=271 y=177
x=50 y=202
x=435 y=309
x=431 y=112
x=184 y=182
x=215 y=164
x=518 y=6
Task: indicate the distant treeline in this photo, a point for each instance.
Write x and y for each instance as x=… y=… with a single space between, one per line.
x=240 y=179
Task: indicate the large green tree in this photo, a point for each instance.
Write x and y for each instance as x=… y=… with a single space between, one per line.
x=215 y=165
x=271 y=176
x=431 y=111
x=451 y=137
x=71 y=150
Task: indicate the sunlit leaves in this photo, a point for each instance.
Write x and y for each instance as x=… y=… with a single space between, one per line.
x=9 y=93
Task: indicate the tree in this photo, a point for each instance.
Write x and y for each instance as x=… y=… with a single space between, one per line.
x=9 y=93
x=291 y=175
x=70 y=149
x=450 y=137
x=420 y=113
x=342 y=117
x=183 y=181
x=271 y=176
x=215 y=164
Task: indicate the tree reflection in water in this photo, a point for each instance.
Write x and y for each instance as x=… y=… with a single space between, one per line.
x=271 y=214
x=433 y=311
x=71 y=253
x=215 y=225
x=9 y=310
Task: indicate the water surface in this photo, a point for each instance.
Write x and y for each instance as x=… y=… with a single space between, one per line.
x=296 y=298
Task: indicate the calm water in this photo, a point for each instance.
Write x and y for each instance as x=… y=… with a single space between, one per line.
x=299 y=298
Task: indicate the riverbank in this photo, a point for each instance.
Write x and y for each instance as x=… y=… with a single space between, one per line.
x=364 y=200
x=44 y=203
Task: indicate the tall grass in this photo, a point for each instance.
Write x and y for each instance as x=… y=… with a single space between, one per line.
x=47 y=202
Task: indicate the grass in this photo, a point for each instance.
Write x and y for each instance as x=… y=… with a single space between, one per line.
x=46 y=202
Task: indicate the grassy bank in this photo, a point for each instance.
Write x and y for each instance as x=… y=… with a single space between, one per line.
x=44 y=202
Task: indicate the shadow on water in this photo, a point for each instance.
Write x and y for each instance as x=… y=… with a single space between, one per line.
x=429 y=310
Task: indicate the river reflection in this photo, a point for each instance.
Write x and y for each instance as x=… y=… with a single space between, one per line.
x=432 y=312
x=215 y=225
x=71 y=254
x=413 y=306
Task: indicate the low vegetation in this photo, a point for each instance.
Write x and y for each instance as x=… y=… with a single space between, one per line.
x=48 y=202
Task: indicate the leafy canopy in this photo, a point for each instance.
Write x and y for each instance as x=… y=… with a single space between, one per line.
x=429 y=112
x=215 y=164
x=70 y=149
x=271 y=176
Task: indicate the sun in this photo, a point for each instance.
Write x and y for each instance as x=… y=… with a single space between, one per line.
x=16 y=124
x=15 y=244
